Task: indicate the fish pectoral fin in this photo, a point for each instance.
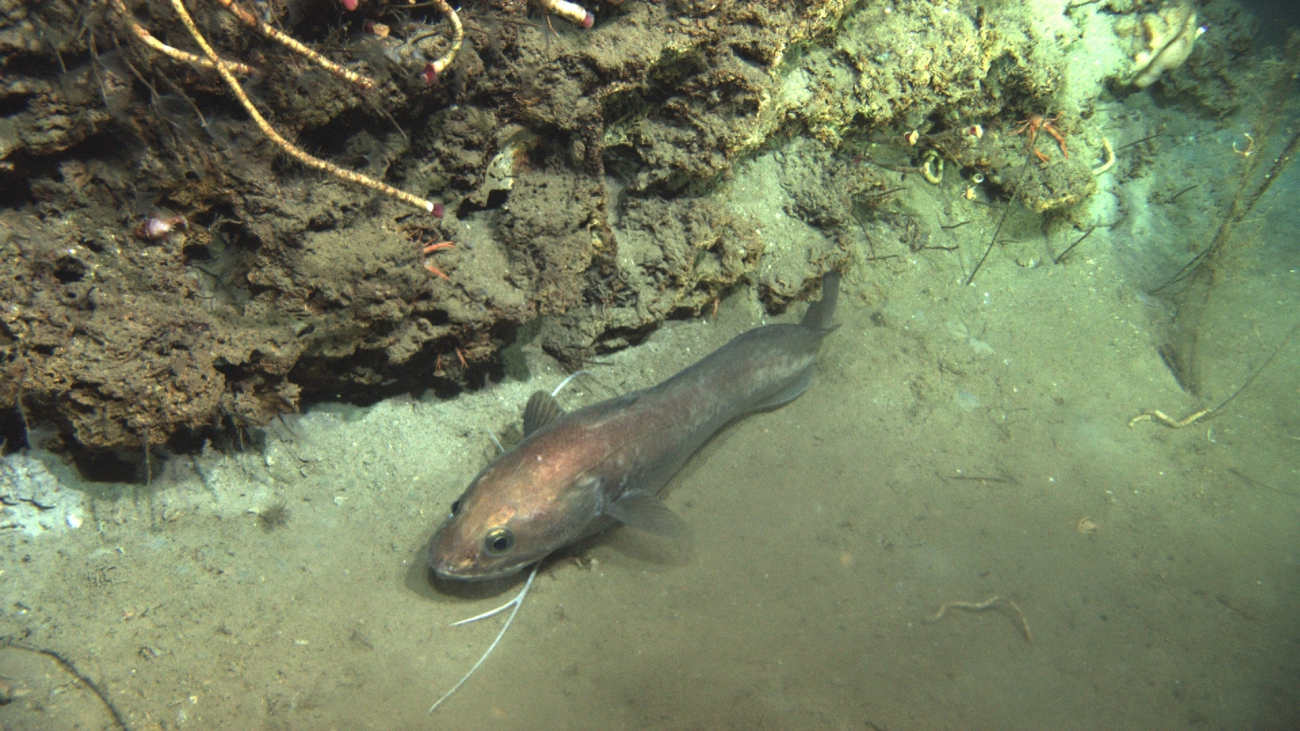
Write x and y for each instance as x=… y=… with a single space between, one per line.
x=787 y=394
x=541 y=410
x=640 y=509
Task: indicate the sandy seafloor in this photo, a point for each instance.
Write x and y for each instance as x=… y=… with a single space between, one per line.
x=1157 y=569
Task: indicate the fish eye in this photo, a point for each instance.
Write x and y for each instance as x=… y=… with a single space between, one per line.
x=499 y=541
x=455 y=507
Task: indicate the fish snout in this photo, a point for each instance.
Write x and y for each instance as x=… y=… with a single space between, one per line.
x=443 y=558
x=460 y=555
x=455 y=554
x=446 y=568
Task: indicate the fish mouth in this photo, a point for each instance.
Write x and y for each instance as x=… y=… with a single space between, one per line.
x=452 y=568
x=448 y=568
x=447 y=574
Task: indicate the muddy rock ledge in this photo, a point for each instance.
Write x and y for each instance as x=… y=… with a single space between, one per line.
x=168 y=270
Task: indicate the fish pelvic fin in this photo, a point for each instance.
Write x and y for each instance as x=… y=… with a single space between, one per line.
x=820 y=313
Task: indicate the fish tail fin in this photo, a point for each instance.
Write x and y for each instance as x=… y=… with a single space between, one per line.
x=820 y=312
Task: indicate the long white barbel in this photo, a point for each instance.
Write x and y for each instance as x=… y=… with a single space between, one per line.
x=516 y=603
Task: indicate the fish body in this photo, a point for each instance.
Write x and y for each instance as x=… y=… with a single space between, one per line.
x=576 y=474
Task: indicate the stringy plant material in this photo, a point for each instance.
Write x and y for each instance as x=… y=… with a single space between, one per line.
x=227 y=70
x=1193 y=287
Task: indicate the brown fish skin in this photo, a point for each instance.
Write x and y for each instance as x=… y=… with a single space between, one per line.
x=590 y=468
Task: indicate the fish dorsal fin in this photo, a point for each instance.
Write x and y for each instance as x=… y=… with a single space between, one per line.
x=640 y=509
x=541 y=410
